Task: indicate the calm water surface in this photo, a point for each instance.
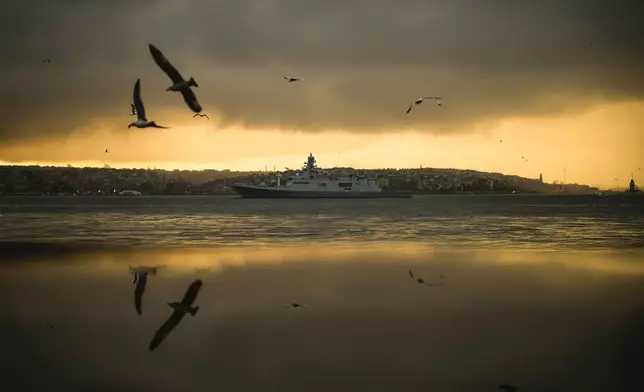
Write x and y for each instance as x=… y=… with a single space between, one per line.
x=546 y=293
x=554 y=222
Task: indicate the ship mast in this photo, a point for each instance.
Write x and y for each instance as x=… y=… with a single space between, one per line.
x=309 y=167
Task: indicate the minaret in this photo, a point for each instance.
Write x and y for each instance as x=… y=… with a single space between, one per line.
x=631 y=185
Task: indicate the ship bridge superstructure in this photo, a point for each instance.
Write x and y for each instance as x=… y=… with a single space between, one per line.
x=310 y=179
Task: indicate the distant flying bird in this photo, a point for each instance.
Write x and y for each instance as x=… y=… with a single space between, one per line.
x=132 y=110
x=295 y=305
x=180 y=310
x=178 y=83
x=106 y=150
x=419 y=101
x=50 y=326
x=292 y=79
x=47 y=61
x=508 y=388
x=201 y=115
x=500 y=141
x=439 y=103
x=141 y=280
x=141 y=120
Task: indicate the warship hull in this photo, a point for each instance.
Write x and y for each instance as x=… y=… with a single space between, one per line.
x=250 y=191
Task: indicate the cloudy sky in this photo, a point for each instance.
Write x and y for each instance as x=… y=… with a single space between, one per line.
x=559 y=82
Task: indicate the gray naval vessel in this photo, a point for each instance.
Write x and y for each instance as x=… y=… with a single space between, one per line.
x=310 y=183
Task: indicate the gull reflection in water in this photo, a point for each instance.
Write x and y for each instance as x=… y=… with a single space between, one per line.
x=141 y=280
x=180 y=310
x=147 y=269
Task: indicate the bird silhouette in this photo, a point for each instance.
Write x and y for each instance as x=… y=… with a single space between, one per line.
x=178 y=83
x=141 y=120
x=420 y=100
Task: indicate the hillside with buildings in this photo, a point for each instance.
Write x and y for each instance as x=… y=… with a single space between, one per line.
x=105 y=181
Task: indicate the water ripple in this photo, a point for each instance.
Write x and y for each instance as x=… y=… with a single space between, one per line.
x=547 y=222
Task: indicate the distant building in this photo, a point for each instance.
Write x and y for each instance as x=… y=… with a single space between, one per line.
x=541 y=178
x=631 y=186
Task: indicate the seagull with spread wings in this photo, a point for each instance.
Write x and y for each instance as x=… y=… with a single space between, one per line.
x=292 y=79
x=201 y=115
x=141 y=120
x=420 y=100
x=178 y=82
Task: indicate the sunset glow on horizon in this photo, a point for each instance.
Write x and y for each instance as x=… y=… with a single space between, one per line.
x=578 y=143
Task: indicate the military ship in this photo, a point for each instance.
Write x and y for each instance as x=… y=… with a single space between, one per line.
x=311 y=183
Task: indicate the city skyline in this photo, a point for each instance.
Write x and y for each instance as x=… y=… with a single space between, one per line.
x=555 y=83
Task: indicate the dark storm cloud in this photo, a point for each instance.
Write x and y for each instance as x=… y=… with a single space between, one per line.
x=364 y=60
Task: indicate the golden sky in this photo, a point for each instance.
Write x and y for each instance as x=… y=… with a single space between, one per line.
x=558 y=81
x=594 y=147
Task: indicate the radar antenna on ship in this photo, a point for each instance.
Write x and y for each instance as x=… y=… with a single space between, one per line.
x=309 y=166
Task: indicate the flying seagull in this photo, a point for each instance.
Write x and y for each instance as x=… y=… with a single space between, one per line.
x=508 y=388
x=292 y=79
x=296 y=305
x=180 y=310
x=132 y=110
x=178 y=83
x=141 y=280
x=47 y=61
x=106 y=150
x=141 y=120
x=201 y=115
x=420 y=100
